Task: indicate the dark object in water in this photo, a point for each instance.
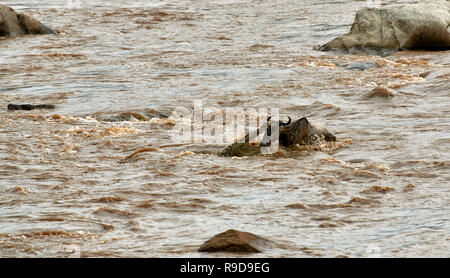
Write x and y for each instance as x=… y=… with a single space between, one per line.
x=13 y=107
x=380 y=92
x=362 y=66
x=140 y=116
x=300 y=132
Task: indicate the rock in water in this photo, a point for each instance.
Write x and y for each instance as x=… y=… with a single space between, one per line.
x=362 y=66
x=380 y=92
x=14 y=24
x=237 y=242
x=409 y=26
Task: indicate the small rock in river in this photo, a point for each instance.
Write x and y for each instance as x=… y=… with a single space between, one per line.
x=236 y=242
x=380 y=92
x=362 y=66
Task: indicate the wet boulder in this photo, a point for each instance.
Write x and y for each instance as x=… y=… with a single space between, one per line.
x=300 y=132
x=422 y=25
x=235 y=241
x=14 y=24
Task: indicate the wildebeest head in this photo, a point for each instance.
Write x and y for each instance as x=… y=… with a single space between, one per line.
x=295 y=133
x=289 y=132
x=269 y=126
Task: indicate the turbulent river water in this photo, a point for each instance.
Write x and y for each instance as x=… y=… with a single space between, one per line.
x=65 y=190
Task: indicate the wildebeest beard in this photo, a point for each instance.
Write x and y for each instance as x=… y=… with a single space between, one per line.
x=289 y=133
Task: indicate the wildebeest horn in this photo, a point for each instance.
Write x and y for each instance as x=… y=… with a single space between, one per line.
x=269 y=129
x=285 y=124
x=281 y=123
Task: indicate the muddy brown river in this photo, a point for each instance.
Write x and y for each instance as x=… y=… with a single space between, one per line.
x=66 y=191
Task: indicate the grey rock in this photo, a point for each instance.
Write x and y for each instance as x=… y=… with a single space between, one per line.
x=422 y=25
x=362 y=66
x=14 y=24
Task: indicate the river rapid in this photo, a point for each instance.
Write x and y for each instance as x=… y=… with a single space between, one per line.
x=65 y=190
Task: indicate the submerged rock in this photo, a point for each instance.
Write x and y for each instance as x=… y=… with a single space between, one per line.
x=362 y=66
x=14 y=24
x=236 y=242
x=127 y=116
x=300 y=132
x=380 y=92
x=410 y=26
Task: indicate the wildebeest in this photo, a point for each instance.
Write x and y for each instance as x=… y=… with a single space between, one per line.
x=286 y=134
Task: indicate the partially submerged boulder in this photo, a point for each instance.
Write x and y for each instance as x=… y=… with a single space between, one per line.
x=14 y=24
x=362 y=66
x=380 y=92
x=300 y=132
x=410 y=26
x=236 y=242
